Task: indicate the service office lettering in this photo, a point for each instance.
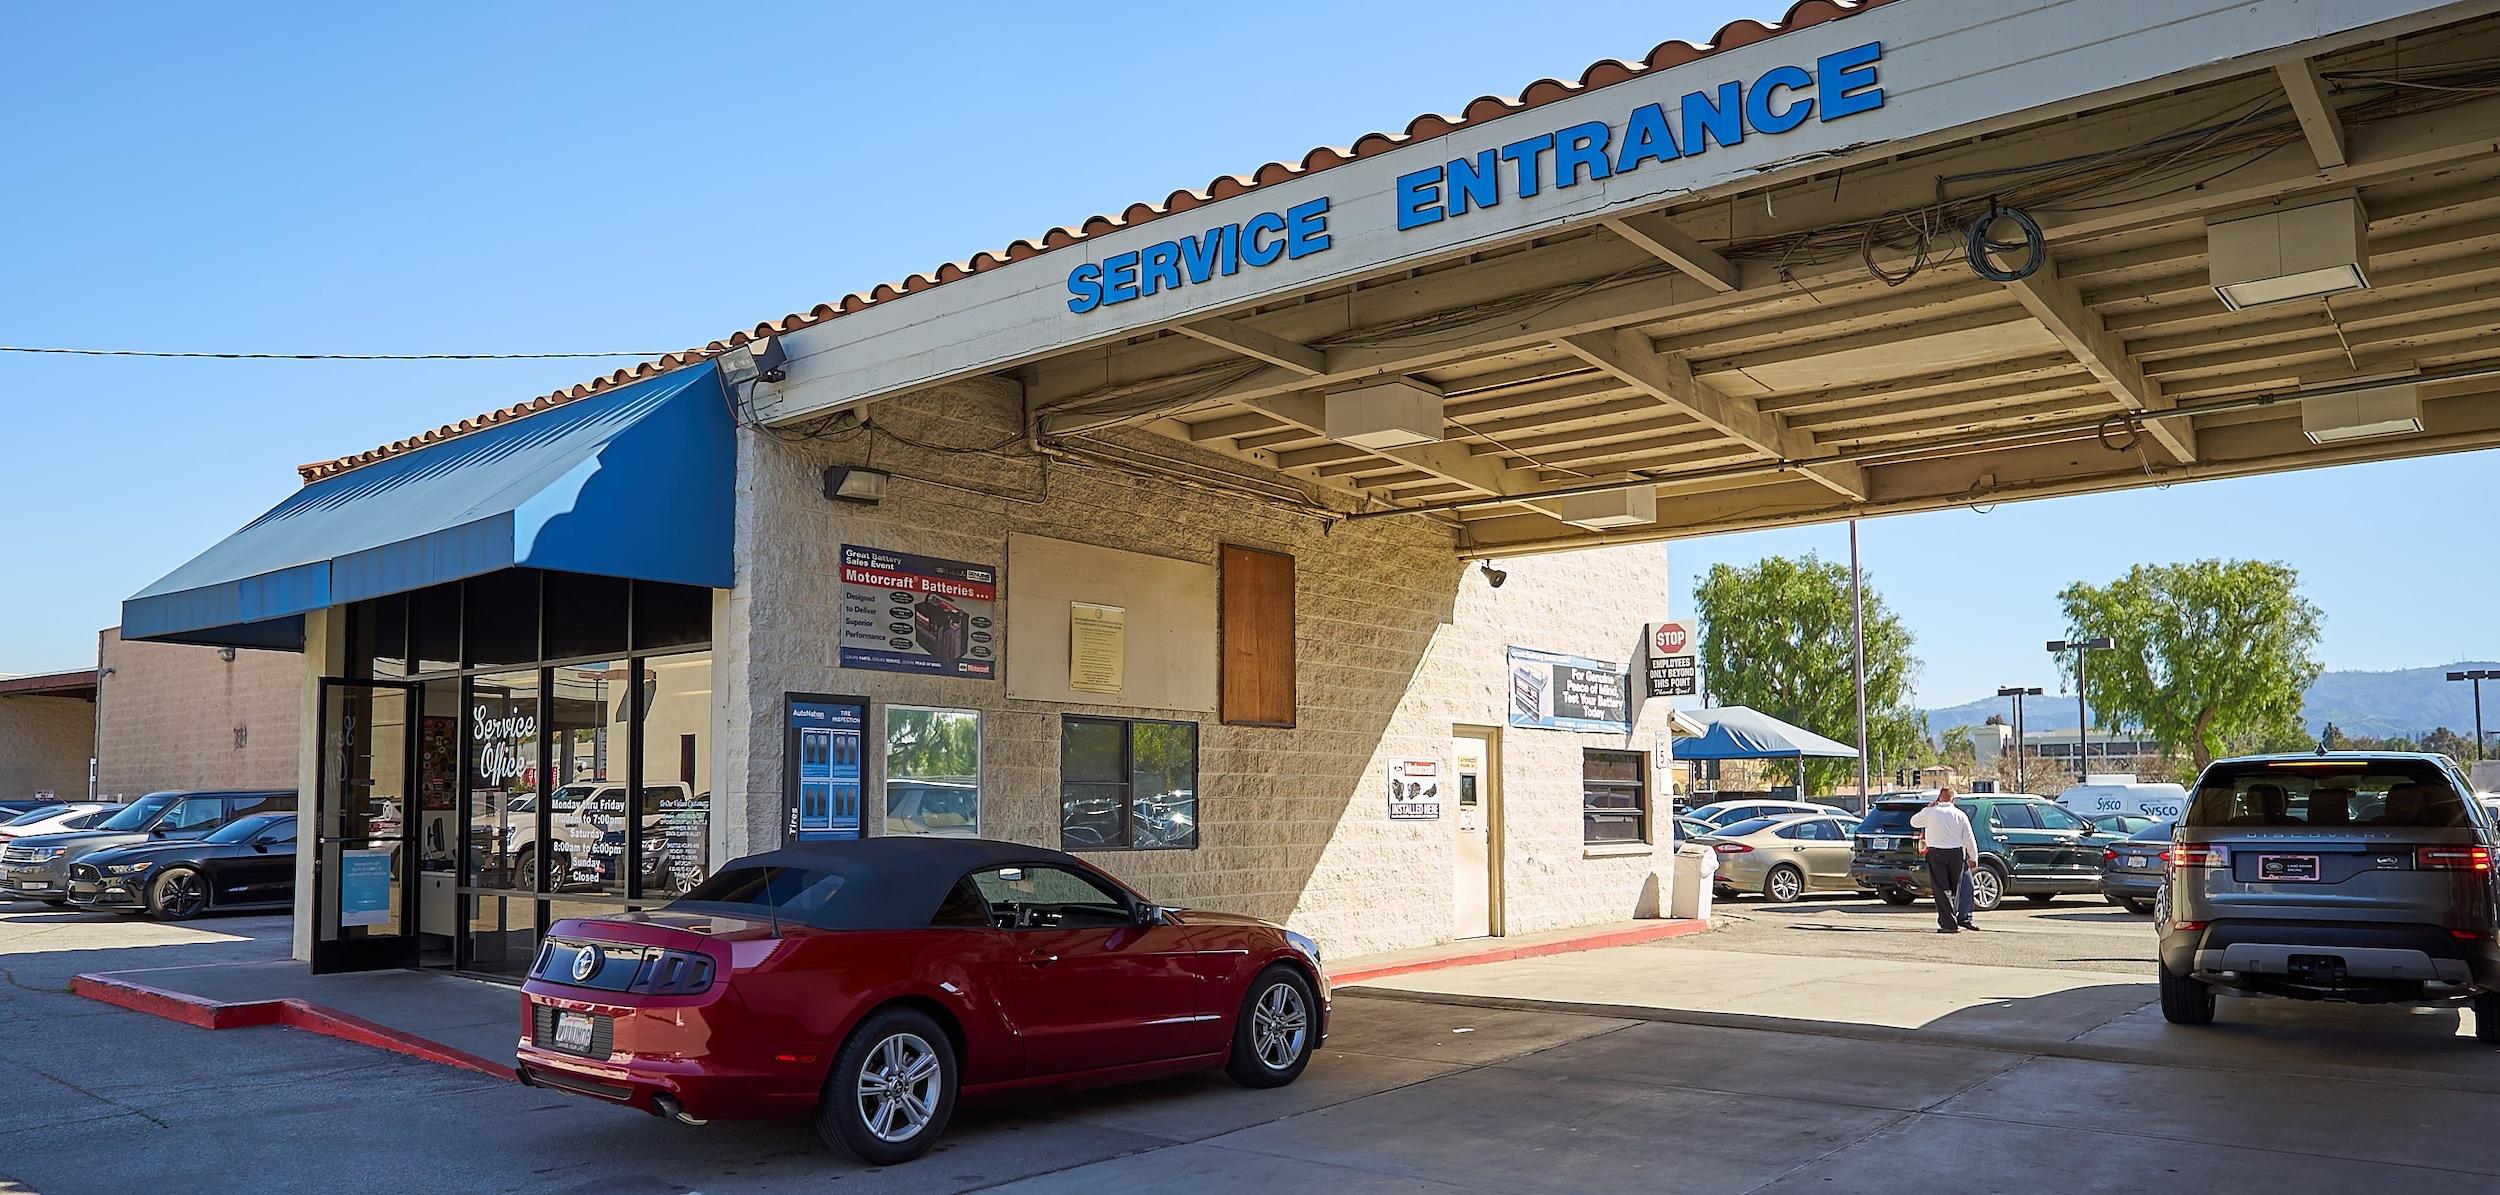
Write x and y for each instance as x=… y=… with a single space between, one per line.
x=1841 y=84
x=1261 y=240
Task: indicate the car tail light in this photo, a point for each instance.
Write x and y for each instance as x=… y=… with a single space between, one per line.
x=2190 y=926
x=2108 y=853
x=1730 y=848
x=673 y=973
x=2453 y=858
x=2187 y=855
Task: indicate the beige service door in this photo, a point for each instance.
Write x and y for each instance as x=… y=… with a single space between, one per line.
x=1473 y=799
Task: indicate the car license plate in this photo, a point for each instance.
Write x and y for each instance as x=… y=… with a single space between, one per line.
x=573 y=1032
x=2287 y=868
x=2144 y=861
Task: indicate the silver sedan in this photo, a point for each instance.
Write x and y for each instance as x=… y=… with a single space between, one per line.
x=1784 y=857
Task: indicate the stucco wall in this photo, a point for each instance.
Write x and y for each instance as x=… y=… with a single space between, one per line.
x=176 y=716
x=44 y=745
x=1397 y=643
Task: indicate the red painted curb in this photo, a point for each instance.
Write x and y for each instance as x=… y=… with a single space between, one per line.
x=289 y=1011
x=1501 y=954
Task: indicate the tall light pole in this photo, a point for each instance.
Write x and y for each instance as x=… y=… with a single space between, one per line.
x=2018 y=693
x=1857 y=640
x=2478 y=676
x=2083 y=717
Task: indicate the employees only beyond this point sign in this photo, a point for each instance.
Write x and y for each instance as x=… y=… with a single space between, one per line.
x=1672 y=665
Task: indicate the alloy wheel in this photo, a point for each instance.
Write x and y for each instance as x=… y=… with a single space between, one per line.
x=1278 y=1024
x=1786 y=885
x=898 y=1087
x=1987 y=891
x=182 y=894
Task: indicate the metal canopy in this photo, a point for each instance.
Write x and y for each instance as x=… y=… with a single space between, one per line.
x=637 y=482
x=1742 y=732
x=1810 y=344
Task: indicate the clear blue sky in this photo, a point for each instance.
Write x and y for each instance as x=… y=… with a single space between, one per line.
x=470 y=179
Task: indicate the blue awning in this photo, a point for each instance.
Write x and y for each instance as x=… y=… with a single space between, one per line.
x=637 y=482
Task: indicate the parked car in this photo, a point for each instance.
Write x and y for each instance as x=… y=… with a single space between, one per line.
x=871 y=984
x=586 y=835
x=37 y=867
x=14 y=806
x=1728 y=813
x=2028 y=847
x=2131 y=871
x=2359 y=877
x=54 y=819
x=2120 y=823
x=248 y=863
x=1689 y=828
x=1784 y=857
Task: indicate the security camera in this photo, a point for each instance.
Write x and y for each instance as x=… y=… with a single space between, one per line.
x=1494 y=576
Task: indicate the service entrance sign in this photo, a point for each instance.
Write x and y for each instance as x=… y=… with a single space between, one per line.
x=1674 y=668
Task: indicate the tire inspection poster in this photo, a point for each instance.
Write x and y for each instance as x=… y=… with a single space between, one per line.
x=1558 y=692
x=906 y=613
x=1414 y=789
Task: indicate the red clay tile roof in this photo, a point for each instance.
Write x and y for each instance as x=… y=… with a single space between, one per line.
x=1804 y=14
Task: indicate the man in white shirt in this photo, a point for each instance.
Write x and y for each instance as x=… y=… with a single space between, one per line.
x=1951 y=849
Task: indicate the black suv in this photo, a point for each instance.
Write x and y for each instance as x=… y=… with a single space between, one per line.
x=2358 y=877
x=2028 y=847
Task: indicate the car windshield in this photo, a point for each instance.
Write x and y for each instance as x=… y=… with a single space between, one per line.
x=36 y=814
x=1754 y=825
x=243 y=829
x=1888 y=819
x=2366 y=793
x=140 y=812
x=794 y=893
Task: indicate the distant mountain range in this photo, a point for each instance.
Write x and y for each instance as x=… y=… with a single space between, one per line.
x=2410 y=702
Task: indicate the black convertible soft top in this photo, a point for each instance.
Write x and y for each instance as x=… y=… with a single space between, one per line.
x=886 y=883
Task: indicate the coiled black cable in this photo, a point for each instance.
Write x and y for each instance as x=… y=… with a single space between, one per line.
x=2035 y=246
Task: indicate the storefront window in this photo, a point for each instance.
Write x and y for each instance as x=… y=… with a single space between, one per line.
x=932 y=771
x=675 y=806
x=1127 y=785
x=500 y=627
x=587 y=824
x=502 y=797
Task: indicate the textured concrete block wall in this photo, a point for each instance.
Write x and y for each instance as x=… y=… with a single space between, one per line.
x=1397 y=642
x=44 y=746
x=176 y=716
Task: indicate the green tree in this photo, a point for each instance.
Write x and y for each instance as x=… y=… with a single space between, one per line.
x=1958 y=748
x=1776 y=637
x=2209 y=652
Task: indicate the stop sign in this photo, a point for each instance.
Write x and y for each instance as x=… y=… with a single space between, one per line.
x=1672 y=638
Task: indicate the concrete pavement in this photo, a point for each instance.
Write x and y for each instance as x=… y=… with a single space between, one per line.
x=1412 y=1093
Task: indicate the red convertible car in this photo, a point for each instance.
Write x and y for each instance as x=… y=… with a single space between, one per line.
x=872 y=984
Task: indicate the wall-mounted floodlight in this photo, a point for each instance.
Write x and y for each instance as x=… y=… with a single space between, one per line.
x=754 y=361
x=2290 y=253
x=844 y=483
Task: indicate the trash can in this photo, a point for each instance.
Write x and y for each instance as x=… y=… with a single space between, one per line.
x=1694 y=867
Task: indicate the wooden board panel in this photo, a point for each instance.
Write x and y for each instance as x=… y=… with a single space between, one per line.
x=1258 y=672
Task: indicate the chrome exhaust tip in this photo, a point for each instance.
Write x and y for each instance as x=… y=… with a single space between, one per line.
x=665 y=1104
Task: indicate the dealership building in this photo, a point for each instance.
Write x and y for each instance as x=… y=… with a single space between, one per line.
x=1290 y=545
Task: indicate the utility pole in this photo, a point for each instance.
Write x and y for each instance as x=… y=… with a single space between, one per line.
x=2018 y=693
x=2083 y=717
x=1857 y=641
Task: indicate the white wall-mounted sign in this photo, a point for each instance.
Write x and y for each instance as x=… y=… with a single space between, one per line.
x=1415 y=790
x=1673 y=659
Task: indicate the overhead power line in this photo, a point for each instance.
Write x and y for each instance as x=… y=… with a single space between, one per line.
x=12 y=348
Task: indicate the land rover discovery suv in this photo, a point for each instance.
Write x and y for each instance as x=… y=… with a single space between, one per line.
x=2363 y=877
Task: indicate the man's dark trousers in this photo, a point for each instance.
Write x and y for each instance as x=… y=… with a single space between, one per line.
x=1944 y=878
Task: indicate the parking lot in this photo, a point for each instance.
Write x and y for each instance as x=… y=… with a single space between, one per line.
x=1783 y=1052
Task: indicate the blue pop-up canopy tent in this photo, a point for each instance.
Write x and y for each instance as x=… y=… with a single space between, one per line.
x=1739 y=732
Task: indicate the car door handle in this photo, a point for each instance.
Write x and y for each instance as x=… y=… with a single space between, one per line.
x=1037 y=961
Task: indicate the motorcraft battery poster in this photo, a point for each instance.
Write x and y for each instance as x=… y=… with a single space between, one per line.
x=906 y=613
x=1559 y=692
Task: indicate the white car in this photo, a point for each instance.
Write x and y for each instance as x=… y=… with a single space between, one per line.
x=56 y=819
x=1728 y=813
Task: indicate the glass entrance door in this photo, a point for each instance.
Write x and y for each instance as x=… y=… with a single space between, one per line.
x=365 y=812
